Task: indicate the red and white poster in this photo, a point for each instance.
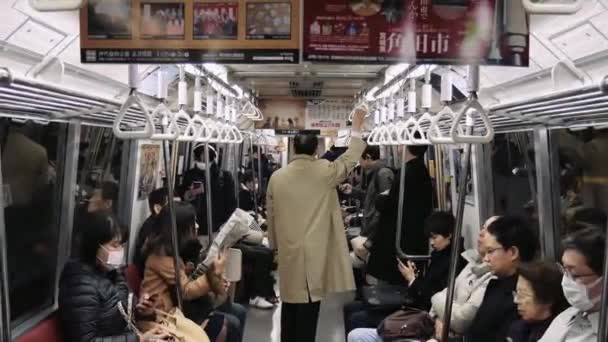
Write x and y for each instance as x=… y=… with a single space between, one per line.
x=416 y=31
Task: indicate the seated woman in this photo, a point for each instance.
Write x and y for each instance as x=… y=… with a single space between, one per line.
x=583 y=261
x=92 y=286
x=159 y=273
x=439 y=227
x=539 y=300
x=469 y=289
x=509 y=242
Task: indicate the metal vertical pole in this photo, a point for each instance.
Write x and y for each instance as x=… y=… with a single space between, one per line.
x=255 y=190
x=174 y=239
x=208 y=193
x=401 y=202
x=549 y=208
x=456 y=235
x=5 y=319
x=603 y=329
x=260 y=176
x=462 y=186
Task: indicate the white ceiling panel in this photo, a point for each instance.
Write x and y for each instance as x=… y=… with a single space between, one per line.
x=551 y=25
x=581 y=41
x=10 y=19
x=540 y=54
x=36 y=37
x=601 y=23
x=71 y=55
x=67 y=22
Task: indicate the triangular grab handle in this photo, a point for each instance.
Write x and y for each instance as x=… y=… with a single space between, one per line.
x=148 y=129
x=460 y=137
x=172 y=129
x=435 y=135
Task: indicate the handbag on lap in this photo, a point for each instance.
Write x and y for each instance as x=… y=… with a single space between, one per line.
x=406 y=323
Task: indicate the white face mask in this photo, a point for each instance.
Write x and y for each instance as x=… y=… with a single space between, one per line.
x=578 y=294
x=116 y=258
x=201 y=165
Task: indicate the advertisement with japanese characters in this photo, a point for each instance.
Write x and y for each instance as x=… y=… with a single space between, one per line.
x=190 y=31
x=329 y=115
x=416 y=31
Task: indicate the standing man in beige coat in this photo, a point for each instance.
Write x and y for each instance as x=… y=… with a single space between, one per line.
x=305 y=225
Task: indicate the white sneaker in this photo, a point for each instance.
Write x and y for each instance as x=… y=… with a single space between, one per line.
x=261 y=303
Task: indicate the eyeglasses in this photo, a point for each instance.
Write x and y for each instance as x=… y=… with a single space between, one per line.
x=522 y=297
x=569 y=274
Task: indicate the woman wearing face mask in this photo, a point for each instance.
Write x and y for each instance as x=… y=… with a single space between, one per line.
x=582 y=261
x=539 y=300
x=159 y=273
x=92 y=286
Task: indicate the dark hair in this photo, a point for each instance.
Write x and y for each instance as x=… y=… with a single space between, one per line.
x=417 y=150
x=439 y=223
x=158 y=196
x=305 y=144
x=591 y=243
x=593 y=216
x=373 y=152
x=185 y=216
x=109 y=192
x=100 y=229
x=247 y=177
x=200 y=150
x=512 y=231
x=546 y=279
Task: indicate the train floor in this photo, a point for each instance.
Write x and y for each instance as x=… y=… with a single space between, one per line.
x=265 y=325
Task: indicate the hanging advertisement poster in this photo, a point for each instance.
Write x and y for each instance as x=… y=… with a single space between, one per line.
x=328 y=115
x=218 y=20
x=190 y=31
x=148 y=170
x=416 y=31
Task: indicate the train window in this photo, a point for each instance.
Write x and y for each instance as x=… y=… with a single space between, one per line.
x=583 y=162
x=514 y=176
x=31 y=188
x=99 y=167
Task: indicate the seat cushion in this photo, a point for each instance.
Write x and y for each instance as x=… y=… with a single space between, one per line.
x=48 y=330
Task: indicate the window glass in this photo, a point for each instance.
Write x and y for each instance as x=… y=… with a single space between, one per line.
x=583 y=162
x=99 y=164
x=31 y=186
x=513 y=169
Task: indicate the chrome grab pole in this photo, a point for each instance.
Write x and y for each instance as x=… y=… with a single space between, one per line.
x=462 y=186
x=208 y=194
x=174 y=239
x=603 y=329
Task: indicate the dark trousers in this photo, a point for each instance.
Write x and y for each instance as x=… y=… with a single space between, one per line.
x=258 y=261
x=236 y=317
x=299 y=322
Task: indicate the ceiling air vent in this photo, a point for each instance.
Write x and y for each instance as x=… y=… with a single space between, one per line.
x=306 y=89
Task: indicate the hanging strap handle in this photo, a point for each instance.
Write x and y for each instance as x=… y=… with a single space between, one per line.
x=162 y=112
x=435 y=134
x=133 y=98
x=459 y=137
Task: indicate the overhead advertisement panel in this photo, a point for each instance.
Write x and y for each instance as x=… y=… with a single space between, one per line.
x=416 y=31
x=190 y=31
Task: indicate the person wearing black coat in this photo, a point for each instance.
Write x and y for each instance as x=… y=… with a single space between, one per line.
x=222 y=190
x=439 y=227
x=92 y=287
x=509 y=242
x=417 y=206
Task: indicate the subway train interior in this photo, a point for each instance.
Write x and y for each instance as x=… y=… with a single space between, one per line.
x=276 y=170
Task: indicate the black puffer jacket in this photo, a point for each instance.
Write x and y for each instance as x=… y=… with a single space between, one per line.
x=88 y=301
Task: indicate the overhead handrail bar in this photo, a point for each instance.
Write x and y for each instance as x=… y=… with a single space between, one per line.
x=133 y=98
x=544 y=8
x=588 y=91
x=213 y=78
x=55 y=5
x=398 y=78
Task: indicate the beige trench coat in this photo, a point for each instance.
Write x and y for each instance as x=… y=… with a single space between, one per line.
x=305 y=225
